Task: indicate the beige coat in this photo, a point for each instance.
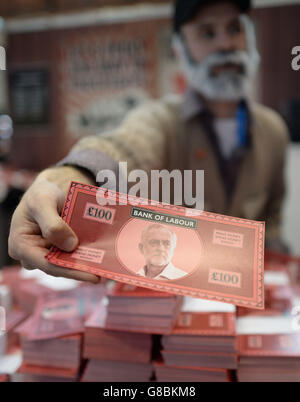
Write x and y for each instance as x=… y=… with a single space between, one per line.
x=153 y=137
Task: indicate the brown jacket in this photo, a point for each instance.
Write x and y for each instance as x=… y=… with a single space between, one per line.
x=155 y=136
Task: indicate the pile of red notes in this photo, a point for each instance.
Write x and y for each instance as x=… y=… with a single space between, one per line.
x=112 y=371
x=115 y=355
x=63 y=313
x=278 y=294
x=204 y=337
x=26 y=287
x=279 y=298
x=278 y=291
x=166 y=373
x=4 y=378
x=13 y=319
x=64 y=352
x=5 y=297
x=9 y=341
x=51 y=338
x=10 y=275
x=135 y=309
x=27 y=373
x=268 y=350
x=27 y=293
x=103 y=344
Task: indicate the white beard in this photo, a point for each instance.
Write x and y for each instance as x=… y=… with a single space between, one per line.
x=227 y=85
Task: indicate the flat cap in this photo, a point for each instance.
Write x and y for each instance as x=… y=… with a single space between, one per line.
x=185 y=10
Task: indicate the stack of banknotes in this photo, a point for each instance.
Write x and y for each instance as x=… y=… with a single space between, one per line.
x=13 y=319
x=278 y=291
x=109 y=370
x=115 y=355
x=25 y=289
x=269 y=349
x=51 y=338
x=269 y=341
x=118 y=337
x=132 y=308
x=11 y=315
x=27 y=294
x=105 y=344
x=4 y=378
x=179 y=373
x=43 y=325
x=31 y=373
x=202 y=344
x=279 y=294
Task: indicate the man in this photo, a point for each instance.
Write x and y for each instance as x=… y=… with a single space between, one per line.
x=158 y=244
x=240 y=146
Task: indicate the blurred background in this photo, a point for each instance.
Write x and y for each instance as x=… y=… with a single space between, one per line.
x=74 y=68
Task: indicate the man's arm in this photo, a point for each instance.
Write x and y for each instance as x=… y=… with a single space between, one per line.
x=36 y=224
x=143 y=141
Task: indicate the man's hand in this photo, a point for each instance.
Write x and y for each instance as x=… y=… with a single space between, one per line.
x=36 y=224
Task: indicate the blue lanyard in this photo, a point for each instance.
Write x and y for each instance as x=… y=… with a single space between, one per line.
x=241 y=117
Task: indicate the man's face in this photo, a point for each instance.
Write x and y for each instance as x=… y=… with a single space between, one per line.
x=217 y=52
x=158 y=247
x=216 y=28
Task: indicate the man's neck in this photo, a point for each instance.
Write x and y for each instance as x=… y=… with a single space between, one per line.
x=223 y=110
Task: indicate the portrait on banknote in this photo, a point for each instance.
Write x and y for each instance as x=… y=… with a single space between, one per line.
x=158 y=244
x=159 y=250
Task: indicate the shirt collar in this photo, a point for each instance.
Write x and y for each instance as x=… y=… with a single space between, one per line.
x=167 y=273
x=193 y=105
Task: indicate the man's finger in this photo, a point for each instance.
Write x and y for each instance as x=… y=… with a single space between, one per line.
x=37 y=260
x=53 y=227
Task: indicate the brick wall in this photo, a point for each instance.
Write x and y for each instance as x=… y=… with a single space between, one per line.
x=94 y=75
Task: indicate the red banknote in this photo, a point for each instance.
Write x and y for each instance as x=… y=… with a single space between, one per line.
x=164 y=247
x=62 y=313
x=166 y=373
x=269 y=358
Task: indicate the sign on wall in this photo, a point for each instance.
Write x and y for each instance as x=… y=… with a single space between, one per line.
x=30 y=97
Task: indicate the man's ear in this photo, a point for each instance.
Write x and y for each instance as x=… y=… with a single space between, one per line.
x=141 y=248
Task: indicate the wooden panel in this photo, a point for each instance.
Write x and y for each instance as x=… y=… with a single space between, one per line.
x=279 y=32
